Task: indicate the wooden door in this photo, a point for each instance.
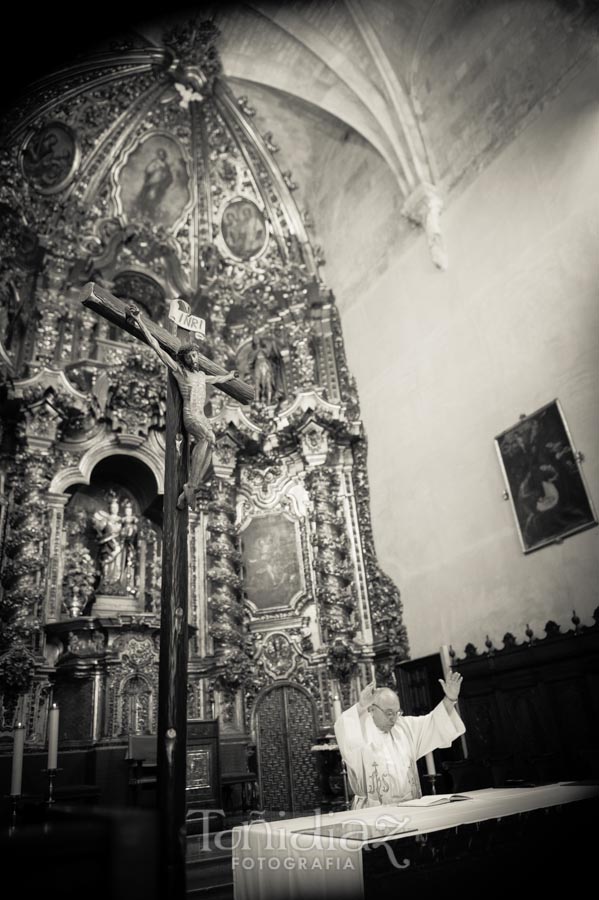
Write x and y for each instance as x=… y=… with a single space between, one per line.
x=286 y=727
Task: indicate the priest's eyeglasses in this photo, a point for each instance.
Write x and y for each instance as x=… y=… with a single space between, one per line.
x=390 y=713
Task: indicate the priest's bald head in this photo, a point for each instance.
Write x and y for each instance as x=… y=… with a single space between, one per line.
x=384 y=708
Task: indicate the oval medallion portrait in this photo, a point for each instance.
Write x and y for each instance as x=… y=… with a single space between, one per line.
x=50 y=157
x=153 y=183
x=243 y=228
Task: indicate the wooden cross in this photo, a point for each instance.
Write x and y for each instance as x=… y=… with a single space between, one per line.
x=110 y=307
x=172 y=681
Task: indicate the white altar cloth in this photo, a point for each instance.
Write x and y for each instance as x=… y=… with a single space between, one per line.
x=273 y=860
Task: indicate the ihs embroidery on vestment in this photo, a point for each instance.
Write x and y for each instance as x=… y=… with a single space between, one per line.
x=379 y=784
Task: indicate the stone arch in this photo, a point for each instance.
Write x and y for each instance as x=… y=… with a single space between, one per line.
x=151 y=453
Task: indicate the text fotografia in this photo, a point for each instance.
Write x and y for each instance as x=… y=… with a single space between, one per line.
x=301 y=863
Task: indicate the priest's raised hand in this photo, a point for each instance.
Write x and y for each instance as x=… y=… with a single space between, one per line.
x=367 y=695
x=451 y=689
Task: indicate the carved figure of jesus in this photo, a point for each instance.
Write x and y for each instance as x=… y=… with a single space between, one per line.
x=192 y=383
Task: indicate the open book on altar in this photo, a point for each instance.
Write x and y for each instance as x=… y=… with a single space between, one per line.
x=434 y=800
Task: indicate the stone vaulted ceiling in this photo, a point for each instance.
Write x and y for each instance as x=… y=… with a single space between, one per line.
x=331 y=55
x=435 y=87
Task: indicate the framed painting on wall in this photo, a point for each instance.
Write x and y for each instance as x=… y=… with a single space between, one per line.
x=272 y=559
x=544 y=479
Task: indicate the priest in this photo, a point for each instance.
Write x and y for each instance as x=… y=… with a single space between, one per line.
x=380 y=745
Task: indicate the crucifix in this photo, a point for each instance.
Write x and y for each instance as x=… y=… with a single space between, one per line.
x=188 y=373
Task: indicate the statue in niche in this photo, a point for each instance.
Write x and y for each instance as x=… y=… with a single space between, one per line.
x=306 y=636
x=129 y=535
x=108 y=526
x=210 y=262
x=117 y=537
x=266 y=366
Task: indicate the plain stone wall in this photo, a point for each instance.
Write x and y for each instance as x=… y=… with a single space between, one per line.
x=446 y=361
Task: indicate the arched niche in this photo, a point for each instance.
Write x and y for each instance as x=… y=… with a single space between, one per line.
x=113 y=525
x=129 y=474
x=149 y=453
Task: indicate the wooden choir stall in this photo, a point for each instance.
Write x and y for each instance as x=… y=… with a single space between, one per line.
x=218 y=776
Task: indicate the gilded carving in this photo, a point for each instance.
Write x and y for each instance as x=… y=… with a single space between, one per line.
x=135 y=392
x=192 y=44
x=385 y=603
x=278 y=656
x=171 y=191
x=85 y=643
x=198 y=769
x=23 y=571
x=49 y=157
x=314 y=443
x=226 y=626
x=80 y=572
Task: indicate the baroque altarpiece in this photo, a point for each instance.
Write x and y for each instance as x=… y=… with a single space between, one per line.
x=137 y=168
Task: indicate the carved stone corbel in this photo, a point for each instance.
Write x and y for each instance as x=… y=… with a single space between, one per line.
x=423 y=207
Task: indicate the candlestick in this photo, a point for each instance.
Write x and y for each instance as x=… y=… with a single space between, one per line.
x=345 y=787
x=14 y=801
x=51 y=773
x=17 y=760
x=430 y=764
x=432 y=779
x=53 y=737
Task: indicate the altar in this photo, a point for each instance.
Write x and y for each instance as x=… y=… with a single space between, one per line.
x=511 y=835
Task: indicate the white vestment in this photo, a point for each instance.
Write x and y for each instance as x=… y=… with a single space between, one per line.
x=381 y=766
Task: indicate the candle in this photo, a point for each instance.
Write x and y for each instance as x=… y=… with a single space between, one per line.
x=446 y=663
x=445 y=659
x=17 y=760
x=430 y=764
x=337 y=708
x=53 y=737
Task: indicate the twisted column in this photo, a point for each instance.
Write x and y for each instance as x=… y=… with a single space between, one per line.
x=333 y=572
x=22 y=575
x=225 y=597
